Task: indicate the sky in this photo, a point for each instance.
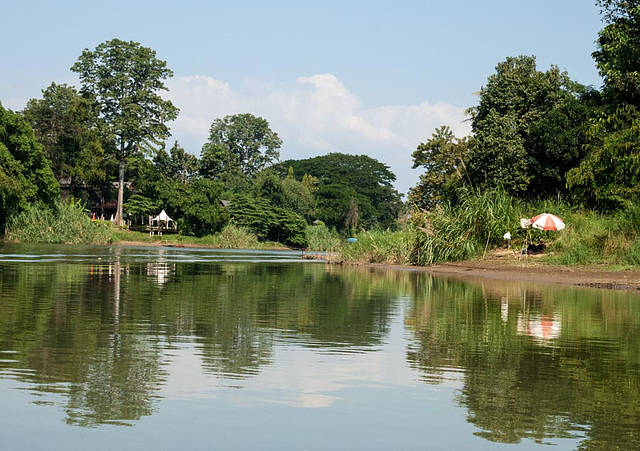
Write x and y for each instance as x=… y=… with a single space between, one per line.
x=358 y=77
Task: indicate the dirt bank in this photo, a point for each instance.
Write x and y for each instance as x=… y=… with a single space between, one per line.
x=531 y=269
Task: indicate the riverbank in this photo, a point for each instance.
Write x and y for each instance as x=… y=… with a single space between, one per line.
x=500 y=266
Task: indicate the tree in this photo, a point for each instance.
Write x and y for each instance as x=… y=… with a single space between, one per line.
x=342 y=177
x=610 y=173
x=518 y=107
x=66 y=125
x=443 y=158
x=123 y=79
x=177 y=164
x=618 y=53
x=239 y=144
x=25 y=172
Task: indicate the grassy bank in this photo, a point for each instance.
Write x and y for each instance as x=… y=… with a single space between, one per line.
x=478 y=223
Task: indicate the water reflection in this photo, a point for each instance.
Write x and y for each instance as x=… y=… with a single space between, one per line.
x=515 y=386
x=110 y=339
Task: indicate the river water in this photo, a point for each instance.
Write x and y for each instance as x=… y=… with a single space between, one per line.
x=108 y=347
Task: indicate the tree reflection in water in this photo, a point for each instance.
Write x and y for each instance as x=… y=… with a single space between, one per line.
x=539 y=362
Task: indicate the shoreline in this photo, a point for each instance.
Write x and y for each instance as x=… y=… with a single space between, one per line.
x=588 y=277
x=497 y=266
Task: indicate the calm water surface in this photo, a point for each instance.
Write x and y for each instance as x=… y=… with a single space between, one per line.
x=165 y=348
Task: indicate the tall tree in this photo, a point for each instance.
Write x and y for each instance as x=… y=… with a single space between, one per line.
x=511 y=122
x=610 y=173
x=345 y=177
x=618 y=53
x=443 y=157
x=66 y=125
x=240 y=143
x=124 y=80
x=177 y=164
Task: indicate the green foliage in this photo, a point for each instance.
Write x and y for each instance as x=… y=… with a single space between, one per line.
x=322 y=238
x=287 y=193
x=66 y=125
x=123 y=80
x=240 y=143
x=64 y=222
x=25 y=172
x=177 y=164
x=268 y=221
x=610 y=173
x=516 y=122
x=343 y=177
x=384 y=247
x=464 y=230
x=442 y=158
x=140 y=207
x=234 y=236
x=196 y=206
x=618 y=54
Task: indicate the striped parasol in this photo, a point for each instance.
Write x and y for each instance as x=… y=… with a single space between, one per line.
x=547 y=221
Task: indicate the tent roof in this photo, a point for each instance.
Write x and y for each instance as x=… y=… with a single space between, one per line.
x=163 y=216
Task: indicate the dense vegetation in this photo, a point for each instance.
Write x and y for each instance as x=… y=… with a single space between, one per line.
x=540 y=141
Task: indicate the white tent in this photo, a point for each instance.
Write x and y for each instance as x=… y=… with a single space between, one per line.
x=163 y=216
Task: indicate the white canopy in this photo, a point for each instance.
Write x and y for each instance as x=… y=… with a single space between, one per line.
x=163 y=216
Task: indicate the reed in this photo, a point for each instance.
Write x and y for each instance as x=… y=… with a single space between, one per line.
x=379 y=246
x=321 y=238
x=64 y=222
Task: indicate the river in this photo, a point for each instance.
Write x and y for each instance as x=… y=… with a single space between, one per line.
x=108 y=347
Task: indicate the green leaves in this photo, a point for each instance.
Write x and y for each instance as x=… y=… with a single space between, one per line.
x=25 y=172
x=240 y=142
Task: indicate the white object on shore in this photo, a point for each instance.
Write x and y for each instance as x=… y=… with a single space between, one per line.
x=507 y=236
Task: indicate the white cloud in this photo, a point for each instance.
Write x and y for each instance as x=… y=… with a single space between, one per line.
x=313 y=116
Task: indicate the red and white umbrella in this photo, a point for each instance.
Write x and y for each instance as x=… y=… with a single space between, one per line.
x=547 y=221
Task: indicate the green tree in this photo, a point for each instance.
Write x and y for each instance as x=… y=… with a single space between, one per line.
x=66 y=125
x=341 y=177
x=511 y=126
x=239 y=144
x=443 y=157
x=610 y=172
x=25 y=172
x=618 y=53
x=123 y=79
x=178 y=164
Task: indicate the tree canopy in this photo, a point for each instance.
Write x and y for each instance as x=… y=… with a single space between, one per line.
x=25 y=172
x=343 y=177
x=239 y=144
x=123 y=80
x=66 y=125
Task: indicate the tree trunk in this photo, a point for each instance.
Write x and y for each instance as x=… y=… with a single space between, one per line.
x=119 y=220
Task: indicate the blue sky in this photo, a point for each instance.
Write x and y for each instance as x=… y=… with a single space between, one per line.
x=361 y=77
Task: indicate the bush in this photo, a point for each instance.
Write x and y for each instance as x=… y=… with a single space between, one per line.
x=269 y=222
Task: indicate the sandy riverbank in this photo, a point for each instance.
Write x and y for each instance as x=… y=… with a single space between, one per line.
x=530 y=269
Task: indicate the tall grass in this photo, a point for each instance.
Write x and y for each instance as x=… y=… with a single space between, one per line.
x=235 y=237
x=321 y=238
x=478 y=222
x=385 y=247
x=64 y=222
